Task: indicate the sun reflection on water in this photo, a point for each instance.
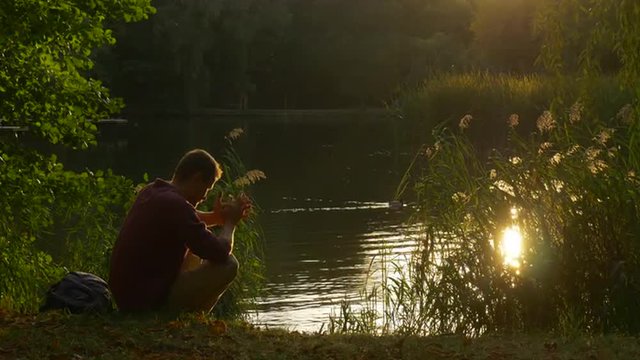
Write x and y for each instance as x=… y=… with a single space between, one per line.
x=511 y=246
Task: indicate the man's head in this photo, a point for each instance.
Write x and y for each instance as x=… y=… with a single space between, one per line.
x=195 y=175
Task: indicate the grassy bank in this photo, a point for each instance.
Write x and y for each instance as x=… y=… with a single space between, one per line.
x=59 y=336
x=492 y=98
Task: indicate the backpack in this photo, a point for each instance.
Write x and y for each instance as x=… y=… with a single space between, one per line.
x=79 y=292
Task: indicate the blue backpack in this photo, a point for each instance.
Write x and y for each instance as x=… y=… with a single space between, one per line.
x=79 y=292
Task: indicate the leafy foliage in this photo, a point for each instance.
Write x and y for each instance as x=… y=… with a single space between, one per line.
x=60 y=219
x=55 y=220
x=196 y=50
x=52 y=217
x=569 y=187
x=602 y=36
x=504 y=36
x=489 y=98
x=46 y=50
x=286 y=53
x=591 y=36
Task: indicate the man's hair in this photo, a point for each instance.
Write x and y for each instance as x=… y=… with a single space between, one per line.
x=198 y=161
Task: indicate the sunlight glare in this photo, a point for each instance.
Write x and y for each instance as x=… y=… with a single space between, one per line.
x=511 y=246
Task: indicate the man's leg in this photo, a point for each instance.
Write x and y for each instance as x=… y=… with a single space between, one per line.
x=199 y=289
x=190 y=262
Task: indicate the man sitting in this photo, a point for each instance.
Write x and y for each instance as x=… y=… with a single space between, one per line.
x=165 y=257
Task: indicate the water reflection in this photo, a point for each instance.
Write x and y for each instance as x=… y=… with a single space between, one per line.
x=350 y=205
x=511 y=246
x=311 y=272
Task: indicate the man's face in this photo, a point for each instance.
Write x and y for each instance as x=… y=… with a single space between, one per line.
x=198 y=188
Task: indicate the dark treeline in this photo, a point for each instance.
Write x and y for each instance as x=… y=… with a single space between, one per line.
x=309 y=53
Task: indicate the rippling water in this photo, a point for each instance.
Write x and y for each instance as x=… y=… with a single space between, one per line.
x=319 y=254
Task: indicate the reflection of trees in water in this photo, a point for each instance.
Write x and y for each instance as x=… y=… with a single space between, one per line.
x=339 y=162
x=349 y=158
x=308 y=156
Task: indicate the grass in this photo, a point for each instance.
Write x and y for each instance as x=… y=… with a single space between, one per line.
x=63 y=336
x=491 y=98
x=570 y=189
x=248 y=246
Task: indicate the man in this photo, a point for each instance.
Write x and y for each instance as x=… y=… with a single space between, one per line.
x=165 y=257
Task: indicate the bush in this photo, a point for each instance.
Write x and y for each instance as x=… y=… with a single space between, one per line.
x=46 y=57
x=53 y=220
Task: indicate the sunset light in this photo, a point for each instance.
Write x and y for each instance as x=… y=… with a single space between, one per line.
x=511 y=246
x=462 y=174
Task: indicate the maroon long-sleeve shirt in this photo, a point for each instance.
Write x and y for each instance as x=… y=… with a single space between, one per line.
x=152 y=244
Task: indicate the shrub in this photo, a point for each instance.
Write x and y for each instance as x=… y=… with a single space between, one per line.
x=53 y=220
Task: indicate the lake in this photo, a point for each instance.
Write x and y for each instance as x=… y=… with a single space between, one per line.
x=326 y=215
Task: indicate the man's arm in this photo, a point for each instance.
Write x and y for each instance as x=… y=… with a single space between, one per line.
x=217 y=216
x=211 y=218
x=184 y=221
x=231 y=214
x=201 y=241
x=226 y=235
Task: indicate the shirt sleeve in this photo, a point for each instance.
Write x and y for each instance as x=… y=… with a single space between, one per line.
x=198 y=238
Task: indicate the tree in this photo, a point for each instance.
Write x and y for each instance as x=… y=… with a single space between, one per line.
x=186 y=30
x=589 y=37
x=289 y=53
x=360 y=52
x=199 y=53
x=504 y=37
x=46 y=49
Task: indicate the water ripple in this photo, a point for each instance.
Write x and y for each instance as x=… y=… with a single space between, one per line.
x=319 y=256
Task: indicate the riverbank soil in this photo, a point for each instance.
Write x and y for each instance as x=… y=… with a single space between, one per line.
x=62 y=336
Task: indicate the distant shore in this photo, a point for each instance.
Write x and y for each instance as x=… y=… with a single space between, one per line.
x=295 y=115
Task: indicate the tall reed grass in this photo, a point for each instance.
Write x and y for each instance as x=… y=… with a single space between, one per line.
x=249 y=239
x=569 y=186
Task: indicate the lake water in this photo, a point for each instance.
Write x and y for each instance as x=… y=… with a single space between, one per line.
x=325 y=215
